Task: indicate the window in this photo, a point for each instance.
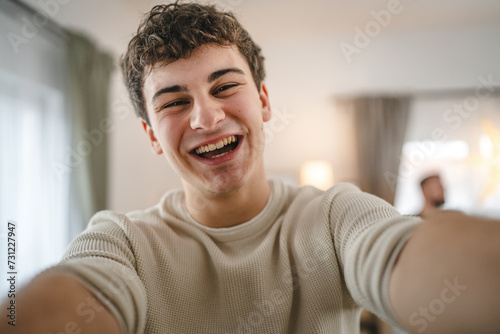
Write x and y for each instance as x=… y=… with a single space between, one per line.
x=458 y=136
x=34 y=134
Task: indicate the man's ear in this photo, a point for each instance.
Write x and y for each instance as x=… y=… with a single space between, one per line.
x=155 y=144
x=266 y=105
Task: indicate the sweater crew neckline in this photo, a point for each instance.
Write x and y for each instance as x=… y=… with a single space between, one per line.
x=243 y=230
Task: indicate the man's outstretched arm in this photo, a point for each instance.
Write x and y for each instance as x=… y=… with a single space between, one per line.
x=447 y=277
x=58 y=303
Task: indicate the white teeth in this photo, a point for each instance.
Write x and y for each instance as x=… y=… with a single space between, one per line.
x=218 y=145
x=219 y=155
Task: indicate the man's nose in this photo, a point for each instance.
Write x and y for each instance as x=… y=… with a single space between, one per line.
x=206 y=114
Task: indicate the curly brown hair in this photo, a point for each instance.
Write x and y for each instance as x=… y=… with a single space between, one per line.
x=171 y=32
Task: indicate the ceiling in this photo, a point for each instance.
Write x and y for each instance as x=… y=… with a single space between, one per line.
x=281 y=19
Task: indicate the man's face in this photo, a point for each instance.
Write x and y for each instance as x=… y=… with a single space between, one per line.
x=207 y=118
x=434 y=191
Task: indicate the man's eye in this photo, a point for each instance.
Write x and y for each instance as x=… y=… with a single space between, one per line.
x=175 y=104
x=224 y=88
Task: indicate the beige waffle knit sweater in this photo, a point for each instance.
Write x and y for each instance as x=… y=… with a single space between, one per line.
x=303 y=265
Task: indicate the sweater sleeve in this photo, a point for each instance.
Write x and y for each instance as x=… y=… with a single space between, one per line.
x=368 y=234
x=102 y=258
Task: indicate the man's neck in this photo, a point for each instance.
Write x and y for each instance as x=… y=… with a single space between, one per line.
x=429 y=210
x=229 y=209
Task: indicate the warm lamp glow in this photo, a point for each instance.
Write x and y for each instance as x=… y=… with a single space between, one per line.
x=485 y=146
x=317 y=173
x=489 y=146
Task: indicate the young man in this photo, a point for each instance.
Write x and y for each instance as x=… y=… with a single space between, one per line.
x=433 y=192
x=234 y=252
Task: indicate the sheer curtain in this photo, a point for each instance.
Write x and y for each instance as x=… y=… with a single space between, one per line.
x=34 y=133
x=381 y=126
x=53 y=128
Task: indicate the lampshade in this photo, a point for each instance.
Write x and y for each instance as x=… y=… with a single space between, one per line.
x=317 y=173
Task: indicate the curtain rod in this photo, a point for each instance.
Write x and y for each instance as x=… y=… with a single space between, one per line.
x=50 y=25
x=431 y=93
x=440 y=92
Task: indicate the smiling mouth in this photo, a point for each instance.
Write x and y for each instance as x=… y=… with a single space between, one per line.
x=218 y=149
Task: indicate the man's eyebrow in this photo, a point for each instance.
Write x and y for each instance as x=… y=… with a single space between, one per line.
x=170 y=89
x=217 y=74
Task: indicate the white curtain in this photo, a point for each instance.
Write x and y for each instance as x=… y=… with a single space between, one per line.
x=34 y=134
x=53 y=151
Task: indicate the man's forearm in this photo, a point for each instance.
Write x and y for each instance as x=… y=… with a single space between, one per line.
x=56 y=303
x=447 y=277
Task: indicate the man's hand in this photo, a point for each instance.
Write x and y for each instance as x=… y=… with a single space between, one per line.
x=447 y=277
x=57 y=303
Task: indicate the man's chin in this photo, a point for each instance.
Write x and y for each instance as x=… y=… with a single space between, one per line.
x=225 y=187
x=221 y=185
x=438 y=204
